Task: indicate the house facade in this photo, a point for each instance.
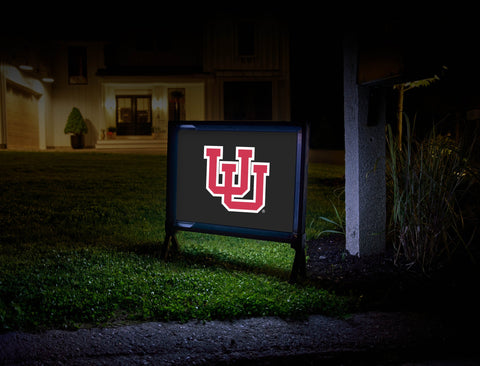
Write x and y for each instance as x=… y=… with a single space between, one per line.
x=133 y=82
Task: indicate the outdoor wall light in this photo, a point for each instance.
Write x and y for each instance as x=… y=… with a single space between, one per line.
x=157 y=103
x=110 y=103
x=25 y=67
x=39 y=72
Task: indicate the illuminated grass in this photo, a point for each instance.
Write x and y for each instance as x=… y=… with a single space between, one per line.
x=79 y=243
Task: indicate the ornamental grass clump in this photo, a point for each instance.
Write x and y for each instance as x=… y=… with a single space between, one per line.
x=426 y=181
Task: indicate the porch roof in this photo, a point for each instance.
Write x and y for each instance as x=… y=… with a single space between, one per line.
x=149 y=71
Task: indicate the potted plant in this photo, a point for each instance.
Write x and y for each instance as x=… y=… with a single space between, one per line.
x=112 y=132
x=77 y=127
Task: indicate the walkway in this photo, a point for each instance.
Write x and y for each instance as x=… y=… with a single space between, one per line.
x=364 y=339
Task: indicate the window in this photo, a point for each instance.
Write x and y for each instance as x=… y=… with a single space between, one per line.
x=143 y=111
x=124 y=109
x=77 y=65
x=247 y=101
x=134 y=115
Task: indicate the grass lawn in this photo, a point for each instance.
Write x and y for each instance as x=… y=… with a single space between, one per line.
x=80 y=235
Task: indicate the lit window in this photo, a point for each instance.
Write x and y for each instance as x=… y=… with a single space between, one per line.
x=134 y=115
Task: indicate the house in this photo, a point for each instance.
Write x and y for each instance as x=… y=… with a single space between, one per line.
x=217 y=68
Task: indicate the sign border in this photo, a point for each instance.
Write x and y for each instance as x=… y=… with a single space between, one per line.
x=295 y=237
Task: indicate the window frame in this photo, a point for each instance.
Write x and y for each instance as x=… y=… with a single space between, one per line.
x=133 y=99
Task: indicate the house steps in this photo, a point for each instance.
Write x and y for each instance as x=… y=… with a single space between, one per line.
x=134 y=143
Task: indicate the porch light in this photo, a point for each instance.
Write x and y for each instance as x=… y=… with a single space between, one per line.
x=48 y=79
x=157 y=103
x=25 y=67
x=110 y=103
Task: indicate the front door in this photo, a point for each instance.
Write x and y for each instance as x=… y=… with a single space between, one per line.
x=134 y=115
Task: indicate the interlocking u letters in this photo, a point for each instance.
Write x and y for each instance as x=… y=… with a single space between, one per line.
x=233 y=190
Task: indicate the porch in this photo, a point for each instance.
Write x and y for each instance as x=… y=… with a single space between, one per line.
x=142 y=143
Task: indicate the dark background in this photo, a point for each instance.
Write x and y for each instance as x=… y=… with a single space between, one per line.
x=426 y=37
x=196 y=204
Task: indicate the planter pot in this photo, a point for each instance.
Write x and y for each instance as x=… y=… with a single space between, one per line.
x=77 y=141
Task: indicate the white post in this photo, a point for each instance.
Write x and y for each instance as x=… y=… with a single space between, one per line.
x=365 y=196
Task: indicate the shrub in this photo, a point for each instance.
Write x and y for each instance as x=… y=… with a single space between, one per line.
x=426 y=181
x=75 y=123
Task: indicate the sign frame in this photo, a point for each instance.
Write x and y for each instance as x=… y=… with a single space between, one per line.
x=295 y=236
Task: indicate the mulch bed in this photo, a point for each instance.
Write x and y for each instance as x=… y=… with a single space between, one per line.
x=380 y=284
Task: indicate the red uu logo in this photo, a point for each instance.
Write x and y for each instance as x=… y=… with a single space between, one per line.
x=236 y=177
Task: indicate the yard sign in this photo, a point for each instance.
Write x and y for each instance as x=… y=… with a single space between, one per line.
x=245 y=179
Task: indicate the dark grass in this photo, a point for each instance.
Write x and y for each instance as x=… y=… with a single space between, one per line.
x=80 y=237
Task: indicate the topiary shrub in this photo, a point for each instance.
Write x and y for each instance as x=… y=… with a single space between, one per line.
x=77 y=127
x=75 y=123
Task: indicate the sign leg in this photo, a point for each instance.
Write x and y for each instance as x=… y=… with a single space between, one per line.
x=170 y=244
x=299 y=268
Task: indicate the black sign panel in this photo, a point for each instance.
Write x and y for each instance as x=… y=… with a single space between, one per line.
x=241 y=179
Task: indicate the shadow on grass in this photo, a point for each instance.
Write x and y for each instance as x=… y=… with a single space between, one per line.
x=154 y=249
x=218 y=261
